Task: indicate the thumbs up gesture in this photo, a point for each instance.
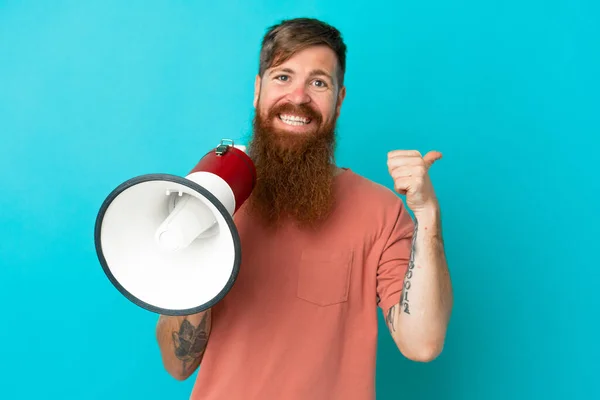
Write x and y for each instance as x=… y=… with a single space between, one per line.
x=409 y=170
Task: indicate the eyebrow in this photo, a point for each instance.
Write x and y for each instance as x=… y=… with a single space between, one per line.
x=314 y=72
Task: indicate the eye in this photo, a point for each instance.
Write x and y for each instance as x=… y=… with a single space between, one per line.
x=282 y=78
x=320 y=83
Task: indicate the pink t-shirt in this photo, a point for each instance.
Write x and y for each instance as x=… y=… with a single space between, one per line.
x=301 y=323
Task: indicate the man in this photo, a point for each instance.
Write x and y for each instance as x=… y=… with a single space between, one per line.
x=322 y=248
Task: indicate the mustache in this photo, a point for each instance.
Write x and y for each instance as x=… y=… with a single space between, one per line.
x=303 y=110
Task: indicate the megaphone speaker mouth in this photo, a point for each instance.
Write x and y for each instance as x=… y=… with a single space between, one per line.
x=169 y=244
x=188 y=218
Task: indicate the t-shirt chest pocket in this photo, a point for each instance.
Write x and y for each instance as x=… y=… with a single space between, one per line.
x=324 y=277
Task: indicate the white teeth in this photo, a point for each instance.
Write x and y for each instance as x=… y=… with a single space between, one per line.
x=294 y=120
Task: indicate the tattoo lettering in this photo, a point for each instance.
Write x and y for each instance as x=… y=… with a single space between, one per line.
x=190 y=342
x=405 y=303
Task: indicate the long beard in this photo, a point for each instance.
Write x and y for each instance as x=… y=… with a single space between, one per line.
x=294 y=171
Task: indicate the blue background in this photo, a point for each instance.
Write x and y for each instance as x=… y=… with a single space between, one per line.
x=95 y=92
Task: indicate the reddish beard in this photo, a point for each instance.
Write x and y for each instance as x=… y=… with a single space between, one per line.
x=294 y=171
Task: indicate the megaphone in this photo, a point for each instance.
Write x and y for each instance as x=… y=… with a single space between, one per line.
x=168 y=243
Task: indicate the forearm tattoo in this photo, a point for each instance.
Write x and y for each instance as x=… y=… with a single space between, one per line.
x=404 y=301
x=405 y=304
x=190 y=342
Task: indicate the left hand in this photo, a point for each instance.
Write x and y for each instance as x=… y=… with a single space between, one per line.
x=409 y=170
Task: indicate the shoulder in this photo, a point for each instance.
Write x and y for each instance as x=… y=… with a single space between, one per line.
x=371 y=201
x=366 y=190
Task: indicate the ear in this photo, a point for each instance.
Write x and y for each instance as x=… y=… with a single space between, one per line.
x=340 y=100
x=257 y=82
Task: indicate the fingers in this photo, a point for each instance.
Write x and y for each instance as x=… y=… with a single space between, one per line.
x=408 y=171
x=403 y=184
x=398 y=158
x=404 y=153
x=404 y=160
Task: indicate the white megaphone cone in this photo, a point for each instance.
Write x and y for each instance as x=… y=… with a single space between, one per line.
x=169 y=243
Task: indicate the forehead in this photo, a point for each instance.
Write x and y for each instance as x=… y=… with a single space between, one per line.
x=310 y=59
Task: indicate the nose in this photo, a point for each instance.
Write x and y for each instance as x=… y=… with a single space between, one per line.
x=299 y=95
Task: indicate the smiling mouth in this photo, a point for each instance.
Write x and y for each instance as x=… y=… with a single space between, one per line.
x=294 y=120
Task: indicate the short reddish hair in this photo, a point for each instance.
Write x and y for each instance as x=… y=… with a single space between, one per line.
x=283 y=40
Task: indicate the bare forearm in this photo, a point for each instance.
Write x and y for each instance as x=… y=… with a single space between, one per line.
x=182 y=341
x=419 y=322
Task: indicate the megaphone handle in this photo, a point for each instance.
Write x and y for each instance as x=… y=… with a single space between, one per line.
x=223 y=146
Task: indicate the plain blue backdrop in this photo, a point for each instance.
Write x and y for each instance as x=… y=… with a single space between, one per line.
x=95 y=92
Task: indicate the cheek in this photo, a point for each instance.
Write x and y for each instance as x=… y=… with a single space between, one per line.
x=327 y=110
x=262 y=106
x=266 y=101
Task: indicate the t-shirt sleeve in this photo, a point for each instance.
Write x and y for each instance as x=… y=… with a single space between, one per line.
x=395 y=255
